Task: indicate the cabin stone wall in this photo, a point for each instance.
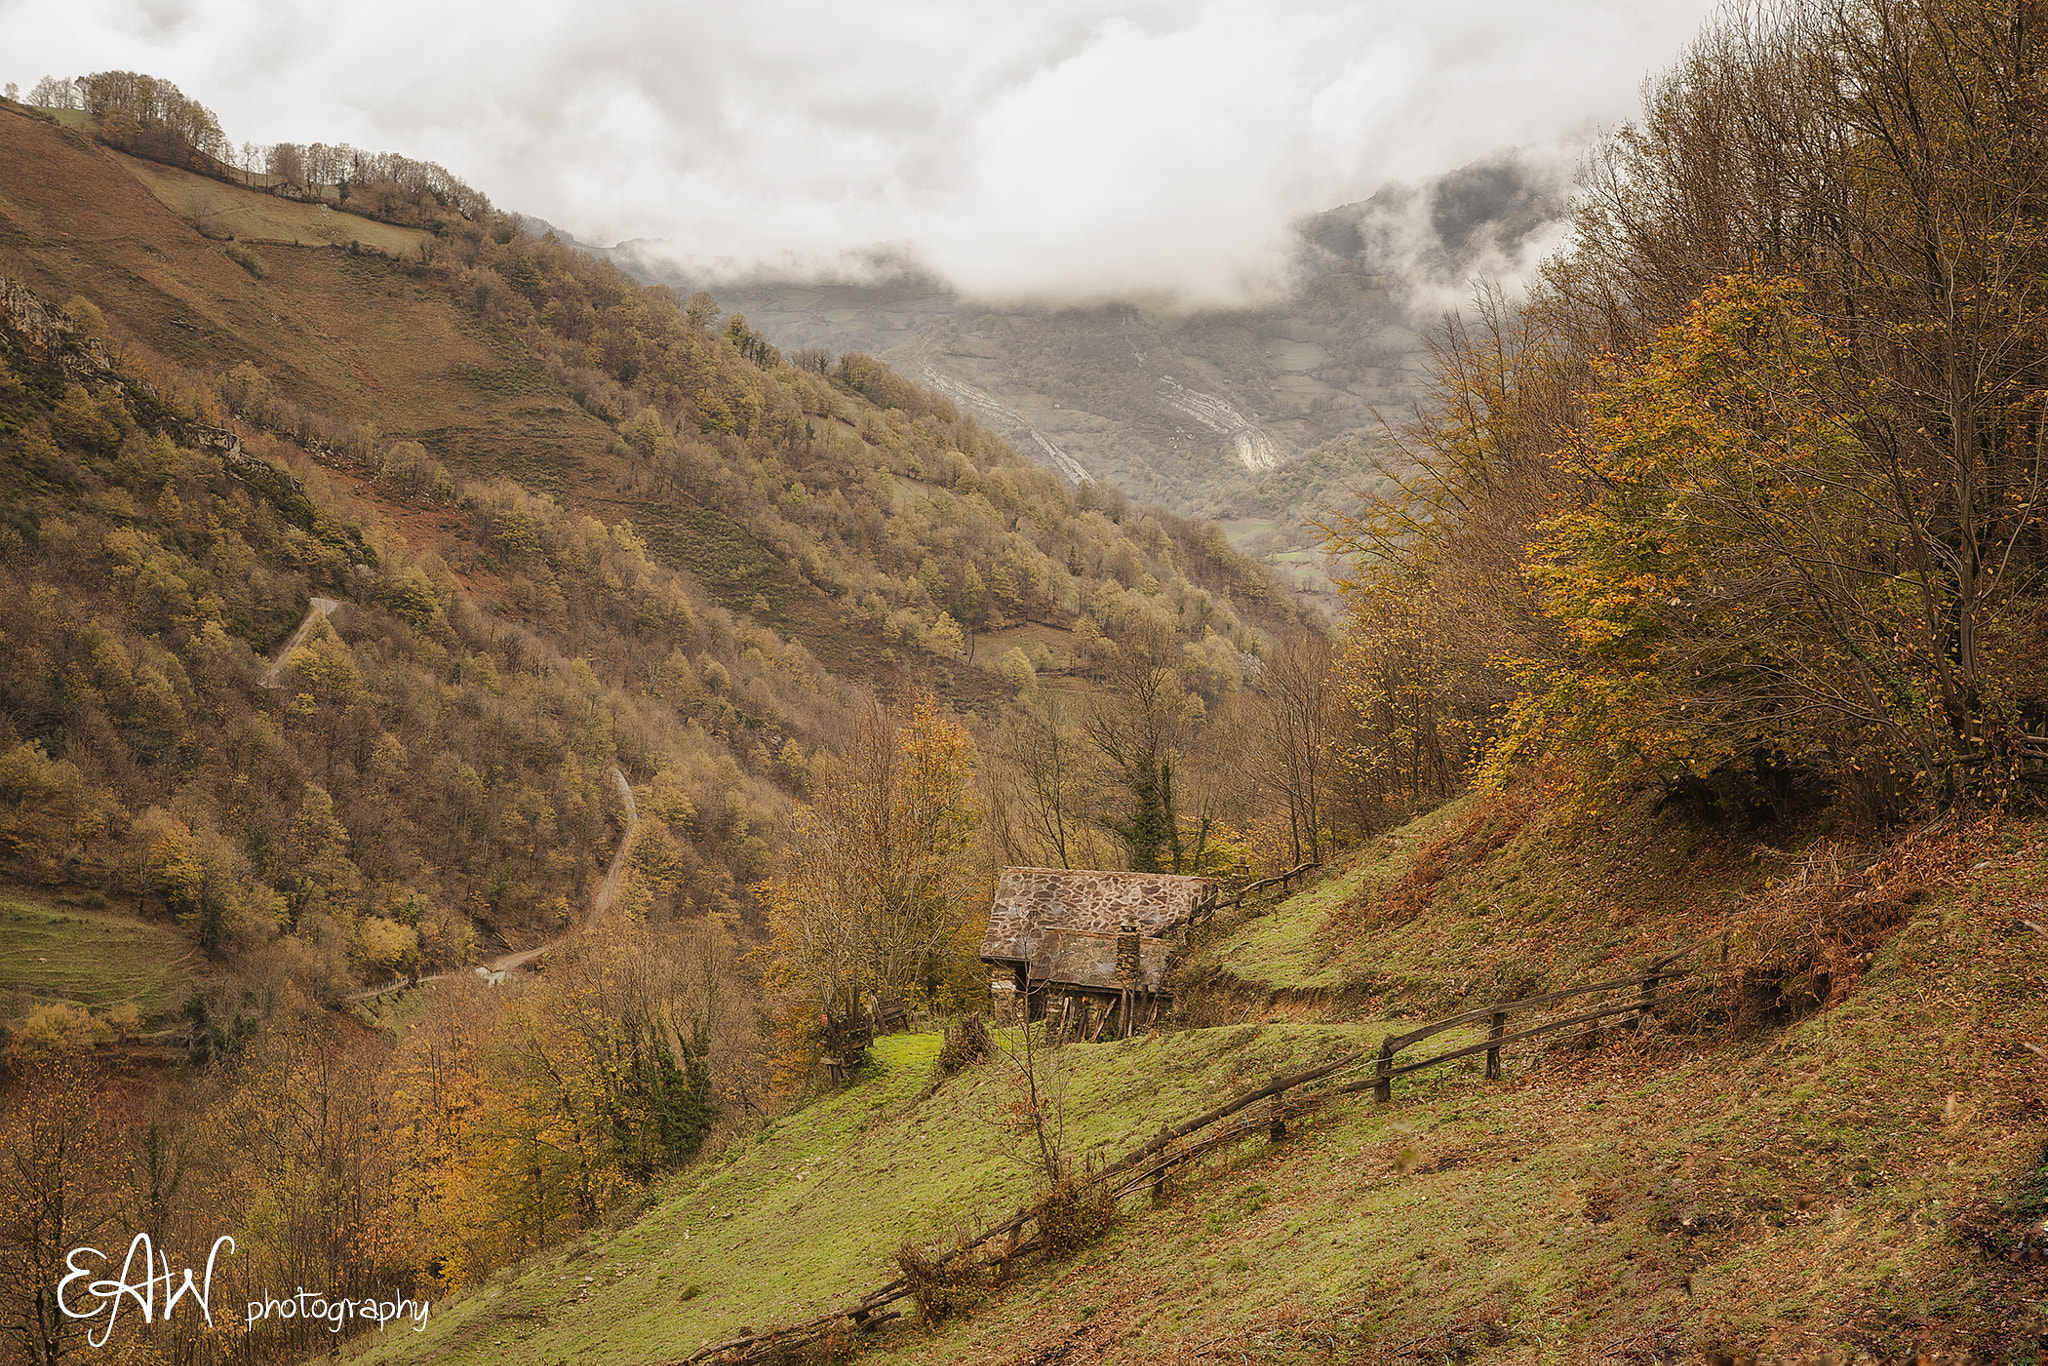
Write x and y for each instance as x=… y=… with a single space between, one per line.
x=1085 y=946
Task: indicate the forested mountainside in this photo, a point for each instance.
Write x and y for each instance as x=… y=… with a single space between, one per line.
x=511 y=451
x=384 y=594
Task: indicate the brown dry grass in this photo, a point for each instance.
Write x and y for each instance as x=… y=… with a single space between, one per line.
x=355 y=338
x=1808 y=939
x=1489 y=823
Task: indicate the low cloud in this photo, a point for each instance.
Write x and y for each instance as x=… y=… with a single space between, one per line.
x=1071 y=149
x=1495 y=219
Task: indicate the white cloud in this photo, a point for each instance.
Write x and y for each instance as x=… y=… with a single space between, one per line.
x=1072 y=147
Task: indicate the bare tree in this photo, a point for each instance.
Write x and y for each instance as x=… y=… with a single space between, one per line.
x=286 y=163
x=52 y=92
x=1436 y=594
x=1300 y=705
x=1040 y=778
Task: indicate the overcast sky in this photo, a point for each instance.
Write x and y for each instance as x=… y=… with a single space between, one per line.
x=1062 y=147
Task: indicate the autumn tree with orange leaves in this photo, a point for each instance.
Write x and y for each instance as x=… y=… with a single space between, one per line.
x=871 y=910
x=1754 y=479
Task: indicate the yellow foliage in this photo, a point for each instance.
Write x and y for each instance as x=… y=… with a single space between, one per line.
x=385 y=946
x=54 y=1029
x=868 y=910
x=47 y=810
x=124 y=1019
x=84 y=316
x=1716 y=593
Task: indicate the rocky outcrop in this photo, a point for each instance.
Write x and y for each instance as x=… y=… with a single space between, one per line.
x=49 y=334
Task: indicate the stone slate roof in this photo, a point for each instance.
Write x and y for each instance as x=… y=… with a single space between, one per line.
x=1030 y=902
x=1083 y=958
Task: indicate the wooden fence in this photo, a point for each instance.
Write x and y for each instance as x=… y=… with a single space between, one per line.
x=1206 y=910
x=1147 y=1166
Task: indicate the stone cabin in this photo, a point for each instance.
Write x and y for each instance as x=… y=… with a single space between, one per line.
x=1086 y=949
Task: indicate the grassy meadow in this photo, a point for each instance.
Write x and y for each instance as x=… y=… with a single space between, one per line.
x=1837 y=1179
x=97 y=958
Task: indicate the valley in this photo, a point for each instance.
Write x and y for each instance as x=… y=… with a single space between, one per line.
x=1667 y=1193
x=1243 y=414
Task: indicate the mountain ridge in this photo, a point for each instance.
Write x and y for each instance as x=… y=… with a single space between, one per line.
x=1200 y=410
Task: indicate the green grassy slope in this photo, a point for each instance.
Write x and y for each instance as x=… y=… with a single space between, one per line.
x=95 y=958
x=808 y=1213
x=1482 y=899
x=221 y=210
x=1858 y=1177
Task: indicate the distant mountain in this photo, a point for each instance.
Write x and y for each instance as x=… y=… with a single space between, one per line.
x=1258 y=415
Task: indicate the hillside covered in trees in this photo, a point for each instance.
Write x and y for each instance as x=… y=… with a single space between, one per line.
x=1746 y=498
x=609 y=587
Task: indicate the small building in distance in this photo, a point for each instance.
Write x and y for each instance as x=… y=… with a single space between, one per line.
x=1084 y=948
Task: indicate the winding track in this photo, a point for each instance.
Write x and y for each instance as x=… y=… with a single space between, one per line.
x=998 y=414
x=600 y=902
x=608 y=888
x=1255 y=450
x=322 y=607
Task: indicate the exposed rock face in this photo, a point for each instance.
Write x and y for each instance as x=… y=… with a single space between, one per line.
x=46 y=331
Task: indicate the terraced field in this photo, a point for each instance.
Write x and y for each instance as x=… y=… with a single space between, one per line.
x=94 y=958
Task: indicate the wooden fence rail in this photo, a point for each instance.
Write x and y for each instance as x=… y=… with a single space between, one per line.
x=1207 y=910
x=1147 y=1166
x=1496 y=1016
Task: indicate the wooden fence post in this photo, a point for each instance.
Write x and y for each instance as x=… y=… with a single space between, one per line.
x=1384 y=1090
x=1649 y=998
x=1500 y=1024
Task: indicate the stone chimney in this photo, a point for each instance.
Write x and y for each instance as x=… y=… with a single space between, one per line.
x=1127 y=962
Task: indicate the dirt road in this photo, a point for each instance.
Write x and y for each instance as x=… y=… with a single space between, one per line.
x=322 y=607
x=600 y=901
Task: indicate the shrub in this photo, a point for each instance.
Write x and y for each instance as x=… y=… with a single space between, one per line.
x=944 y=1283
x=1075 y=1213
x=85 y=317
x=966 y=1043
x=248 y=260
